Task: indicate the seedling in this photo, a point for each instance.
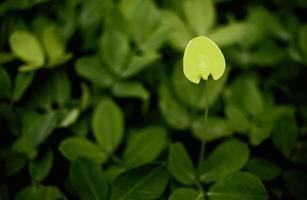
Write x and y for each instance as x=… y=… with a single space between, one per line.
x=202 y=58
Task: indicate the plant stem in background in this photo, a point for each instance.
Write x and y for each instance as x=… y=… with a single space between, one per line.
x=202 y=148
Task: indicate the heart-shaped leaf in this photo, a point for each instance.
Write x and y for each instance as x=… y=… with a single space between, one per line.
x=203 y=57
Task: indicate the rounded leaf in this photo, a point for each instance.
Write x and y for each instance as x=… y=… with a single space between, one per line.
x=203 y=57
x=27 y=47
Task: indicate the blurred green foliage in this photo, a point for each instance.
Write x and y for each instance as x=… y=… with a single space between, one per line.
x=94 y=103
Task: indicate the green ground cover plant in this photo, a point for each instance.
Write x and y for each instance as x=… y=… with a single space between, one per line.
x=95 y=103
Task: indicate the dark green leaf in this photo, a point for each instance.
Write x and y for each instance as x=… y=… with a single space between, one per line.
x=5 y=84
x=145 y=145
x=142 y=18
x=174 y=114
x=264 y=169
x=303 y=39
x=37 y=192
x=88 y=180
x=259 y=132
x=145 y=182
x=285 y=132
x=39 y=169
x=229 y=34
x=227 y=158
x=131 y=89
x=91 y=69
x=245 y=94
x=179 y=34
x=6 y=57
x=237 y=119
x=214 y=129
x=263 y=55
x=25 y=147
x=200 y=15
x=295 y=182
x=180 y=164
x=4 y=192
x=238 y=186
x=189 y=93
x=264 y=22
x=82 y=126
x=54 y=46
x=22 y=82
x=139 y=62
x=186 y=194
x=108 y=125
x=55 y=89
x=74 y=147
x=115 y=57
x=91 y=16
x=299 y=156
x=12 y=162
x=38 y=127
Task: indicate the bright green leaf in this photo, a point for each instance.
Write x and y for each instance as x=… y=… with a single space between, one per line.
x=27 y=47
x=70 y=117
x=203 y=57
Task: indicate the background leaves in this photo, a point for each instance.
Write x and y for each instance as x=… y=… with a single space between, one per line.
x=94 y=103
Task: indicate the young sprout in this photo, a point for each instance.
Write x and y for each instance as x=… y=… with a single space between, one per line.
x=203 y=57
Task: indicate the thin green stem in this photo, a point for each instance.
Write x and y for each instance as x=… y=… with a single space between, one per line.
x=199 y=186
x=202 y=148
